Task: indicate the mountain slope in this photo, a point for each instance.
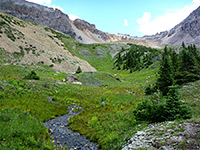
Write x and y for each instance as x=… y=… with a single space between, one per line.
x=27 y=43
x=38 y=14
x=51 y=18
x=187 y=31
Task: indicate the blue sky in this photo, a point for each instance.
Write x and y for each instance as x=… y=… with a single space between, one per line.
x=134 y=17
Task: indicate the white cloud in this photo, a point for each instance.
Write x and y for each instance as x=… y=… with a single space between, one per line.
x=147 y=26
x=125 y=22
x=73 y=17
x=57 y=7
x=145 y=19
x=45 y=2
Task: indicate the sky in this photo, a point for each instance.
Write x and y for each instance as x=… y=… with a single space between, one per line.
x=133 y=17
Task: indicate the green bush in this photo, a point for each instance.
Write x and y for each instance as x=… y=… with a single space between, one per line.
x=32 y=76
x=160 y=109
x=78 y=70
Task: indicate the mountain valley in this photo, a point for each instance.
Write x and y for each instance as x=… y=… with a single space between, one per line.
x=67 y=85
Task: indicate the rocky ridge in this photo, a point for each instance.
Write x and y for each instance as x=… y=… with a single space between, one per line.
x=187 y=31
x=86 y=26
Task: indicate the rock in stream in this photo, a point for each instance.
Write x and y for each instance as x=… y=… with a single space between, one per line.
x=64 y=136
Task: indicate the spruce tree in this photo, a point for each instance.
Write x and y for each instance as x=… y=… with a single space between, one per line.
x=189 y=68
x=118 y=62
x=165 y=78
x=174 y=108
x=183 y=45
x=174 y=61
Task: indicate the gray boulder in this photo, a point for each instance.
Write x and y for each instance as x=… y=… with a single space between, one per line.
x=71 y=79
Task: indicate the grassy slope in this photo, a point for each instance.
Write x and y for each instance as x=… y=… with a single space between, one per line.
x=107 y=124
x=110 y=124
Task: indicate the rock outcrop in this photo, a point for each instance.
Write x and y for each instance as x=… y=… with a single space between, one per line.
x=167 y=136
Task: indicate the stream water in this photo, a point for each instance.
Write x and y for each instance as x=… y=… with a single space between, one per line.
x=63 y=136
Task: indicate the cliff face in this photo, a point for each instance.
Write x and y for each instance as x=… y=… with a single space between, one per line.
x=38 y=14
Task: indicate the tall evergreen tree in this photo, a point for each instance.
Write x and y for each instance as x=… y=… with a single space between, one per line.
x=174 y=61
x=118 y=62
x=183 y=45
x=165 y=78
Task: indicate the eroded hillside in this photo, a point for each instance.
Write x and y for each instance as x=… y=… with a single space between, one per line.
x=28 y=43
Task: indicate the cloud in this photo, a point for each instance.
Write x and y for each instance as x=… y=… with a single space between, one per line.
x=56 y=7
x=125 y=22
x=73 y=17
x=149 y=26
x=145 y=19
x=45 y=2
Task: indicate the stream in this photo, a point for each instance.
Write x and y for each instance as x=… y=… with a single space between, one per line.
x=63 y=136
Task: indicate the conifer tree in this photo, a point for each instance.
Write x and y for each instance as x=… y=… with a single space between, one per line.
x=118 y=61
x=183 y=45
x=189 y=68
x=165 y=78
x=174 y=61
x=174 y=108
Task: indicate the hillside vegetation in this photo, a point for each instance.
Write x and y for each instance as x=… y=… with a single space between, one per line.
x=31 y=93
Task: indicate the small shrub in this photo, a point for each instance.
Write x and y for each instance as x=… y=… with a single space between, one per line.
x=51 y=65
x=78 y=70
x=32 y=76
x=10 y=35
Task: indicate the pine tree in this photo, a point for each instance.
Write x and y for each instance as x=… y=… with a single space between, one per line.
x=174 y=61
x=118 y=62
x=183 y=45
x=174 y=108
x=165 y=78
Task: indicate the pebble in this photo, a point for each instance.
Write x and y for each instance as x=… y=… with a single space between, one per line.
x=64 y=136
